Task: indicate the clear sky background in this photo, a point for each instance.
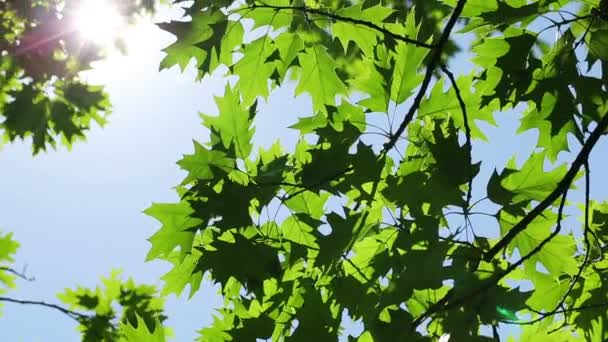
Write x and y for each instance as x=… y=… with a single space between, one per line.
x=78 y=214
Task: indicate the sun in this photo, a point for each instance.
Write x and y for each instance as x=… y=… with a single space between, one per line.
x=99 y=22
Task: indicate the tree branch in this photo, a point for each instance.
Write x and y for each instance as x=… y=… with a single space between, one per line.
x=309 y=187
x=559 y=307
x=307 y=10
x=77 y=316
x=562 y=187
x=21 y=274
x=436 y=53
x=557 y=312
x=581 y=268
x=467 y=132
x=446 y=303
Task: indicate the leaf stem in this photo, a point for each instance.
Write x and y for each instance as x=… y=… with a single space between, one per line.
x=72 y=314
x=307 y=10
x=561 y=188
x=467 y=131
x=436 y=53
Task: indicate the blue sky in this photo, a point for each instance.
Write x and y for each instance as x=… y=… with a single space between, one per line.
x=78 y=214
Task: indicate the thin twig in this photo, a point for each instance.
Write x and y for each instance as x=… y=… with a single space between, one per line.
x=447 y=303
x=561 y=311
x=561 y=188
x=436 y=53
x=586 y=237
x=467 y=132
x=559 y=308
x=307 y=10
x=21 y=274
x=309 y=187
x=72 y=314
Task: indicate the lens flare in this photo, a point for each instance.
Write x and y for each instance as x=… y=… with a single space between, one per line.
x=98 y=22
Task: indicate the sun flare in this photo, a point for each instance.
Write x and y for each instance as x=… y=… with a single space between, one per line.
x=99 y=22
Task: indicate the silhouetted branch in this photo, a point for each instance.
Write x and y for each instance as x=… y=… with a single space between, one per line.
x=433 y=61
x=446 y=303
x=72 y=314
x=307 y=10
x=21 y=274
x=585 y=236
x=561 y=188
x=467 y=132
x=557 y=312
x=559 y=307
x=308 y=187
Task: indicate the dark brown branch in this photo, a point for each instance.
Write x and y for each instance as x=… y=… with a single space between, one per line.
x=561 y=188
x=559 y=307
x=562 y=23
x=433 y=309
x=307 y=10
x=21 y=274
x=72 y=314
x=309 y=187
x=446 y=303
x=467 y=132
x=544 y=315
x=435 y=58
x=582 y=267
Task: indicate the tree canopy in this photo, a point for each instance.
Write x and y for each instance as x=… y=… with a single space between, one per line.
x=44 y=99
x=42 y=94
x=377 y=220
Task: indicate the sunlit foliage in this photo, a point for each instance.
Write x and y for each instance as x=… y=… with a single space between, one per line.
x=302 y=238
x=42 y=53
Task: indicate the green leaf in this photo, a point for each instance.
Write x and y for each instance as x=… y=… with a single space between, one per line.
x=233 y=123
x=8 y=247
x=557 y=256
x=445 y=105
x=189 y=36
x=140 y=332
x=552 y=99
x=289 y=46
x=475 y=8
x=184 y=273
x=532 y=182
x=598 y=44
x=364 y=38
x=271 y=17
x=368 y=80
x=548 y=291
x=320 y=80
x=177 y=229
x=203 y=161
x=408 y=59
x=28 y=115
x=137 y=308
x=253 y=70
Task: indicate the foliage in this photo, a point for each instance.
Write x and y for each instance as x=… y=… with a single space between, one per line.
x=302 y=238
x=8 y=248
x=42 y=95
x=118 y=311
x=141 y=333
x=43 y=98
x=140 y=308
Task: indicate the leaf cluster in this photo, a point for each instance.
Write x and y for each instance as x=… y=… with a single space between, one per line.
x=42 y=96
x=117 y=310
x=338 y=227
